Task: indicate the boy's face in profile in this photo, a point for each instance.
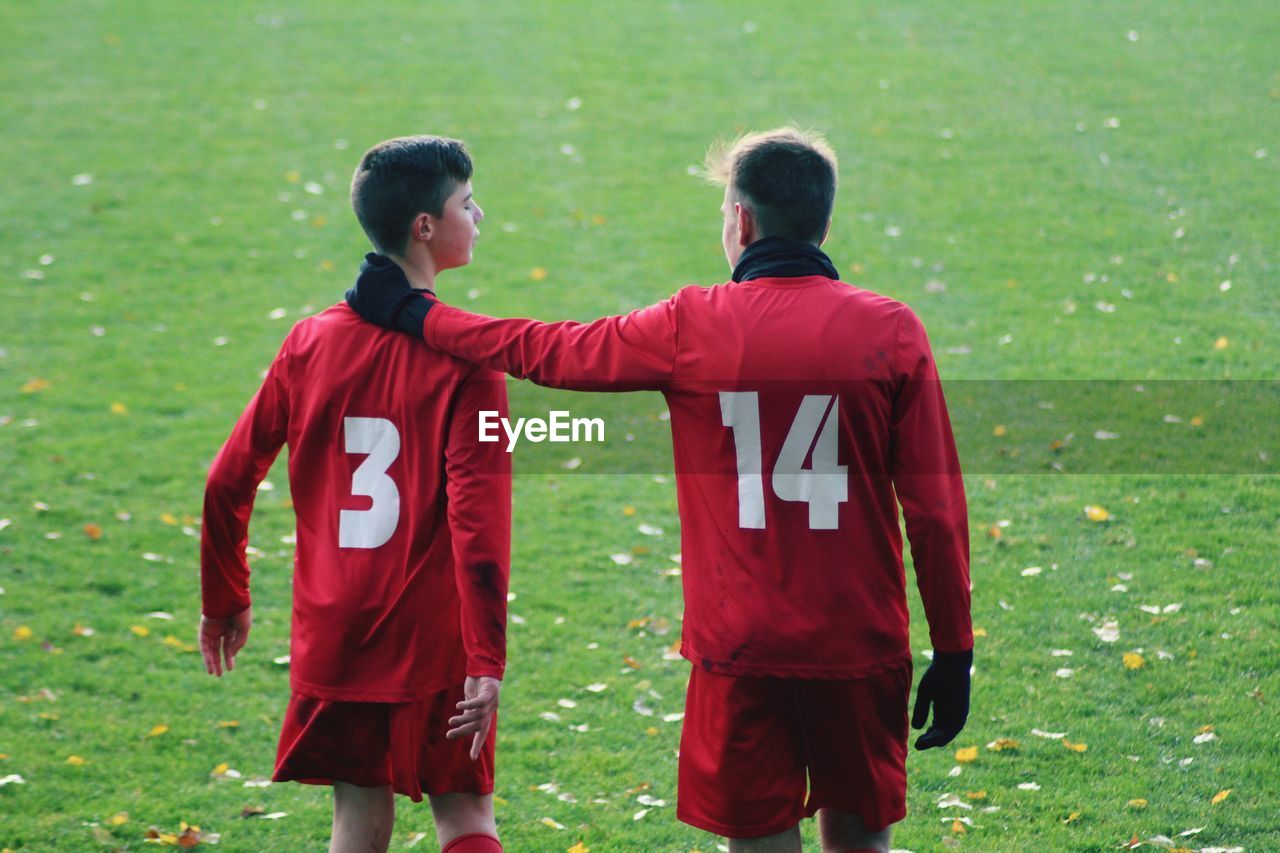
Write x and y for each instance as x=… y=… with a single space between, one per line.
x=454 y=232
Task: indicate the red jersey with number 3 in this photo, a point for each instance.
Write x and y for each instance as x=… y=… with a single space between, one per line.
x=803 y=410
x=403 y=515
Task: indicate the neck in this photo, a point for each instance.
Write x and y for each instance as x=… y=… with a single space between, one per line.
x=420 y=272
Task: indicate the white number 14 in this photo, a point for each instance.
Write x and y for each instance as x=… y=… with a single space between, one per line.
x=824 y=485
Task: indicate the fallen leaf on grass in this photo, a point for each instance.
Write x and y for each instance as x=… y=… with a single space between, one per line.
x=966 y=754
x=158 y=730
x=1220 y=796
x=578 y=848
x=22 y=632
x=546 y=821
x=118 y=819
x=93 y=531
x=140 y=630
x=1075 y=747
x=76 y=761
x=1133 y=660
x=1000 y=744
x=33 y=386
x=1136 y=803
x=631 y=662
x=1071 y=818
x=1096 y=513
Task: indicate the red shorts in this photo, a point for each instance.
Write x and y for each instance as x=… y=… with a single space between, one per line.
x=376 y=743
x=748 y=744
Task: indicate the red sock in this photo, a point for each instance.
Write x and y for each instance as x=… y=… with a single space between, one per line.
x=475 y=842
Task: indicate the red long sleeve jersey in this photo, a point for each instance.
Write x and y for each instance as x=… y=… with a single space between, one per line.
x=403 y=516
x=800 y=409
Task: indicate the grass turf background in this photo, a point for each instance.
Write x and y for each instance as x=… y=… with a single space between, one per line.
x=1059 y=190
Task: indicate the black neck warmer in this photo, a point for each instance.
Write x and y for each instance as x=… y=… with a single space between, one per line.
x=775 y=257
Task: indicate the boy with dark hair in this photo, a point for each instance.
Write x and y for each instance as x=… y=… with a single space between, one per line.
x=803 y=411
x=403 y=540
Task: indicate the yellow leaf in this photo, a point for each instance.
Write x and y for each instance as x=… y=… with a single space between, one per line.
x=1133 y=660
x=546 y=821
x=220 y=769
x=958 y=828
x=1138 y=803
x=994 y=532
x=1075 y=747
x=327 y=265
x=93 y=531
x=319 y=222
x=976 y=795
x=75 y=761
x=228 y=724
x=157 y=730
x=1221 y=343
x=999 y=431
x=979 y=632
x=966 y=754
x=22 y=632
x=1072 y=818
x=119 y=409
x=638 y=623
x=140 y=630
x=628 y=511
x=118 y=819
x=1198 y=420
x=631 y=662
x=1000 y=744
x=652 y=731
x=293 y=176
x=578 y=848
x=174 y=643
x=1096 y=513
x=537 y=274
x=1220 y=796
x=1204 y=730
x=1171 y=277
x=34 y=385
x=169 y=519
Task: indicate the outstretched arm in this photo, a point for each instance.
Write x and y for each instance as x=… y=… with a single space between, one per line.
x=630 y=352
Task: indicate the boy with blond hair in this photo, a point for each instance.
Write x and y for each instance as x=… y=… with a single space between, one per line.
x=803 y=412
x=403 y=539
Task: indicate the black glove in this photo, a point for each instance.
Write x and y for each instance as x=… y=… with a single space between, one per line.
x=945 y=686
x=382 y=296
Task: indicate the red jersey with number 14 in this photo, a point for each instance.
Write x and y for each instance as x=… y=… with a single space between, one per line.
x=403 y=515
x=803 y=410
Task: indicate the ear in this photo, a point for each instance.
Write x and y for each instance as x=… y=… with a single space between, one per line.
x=825 y=231
x=423 y=227
x=746 y=224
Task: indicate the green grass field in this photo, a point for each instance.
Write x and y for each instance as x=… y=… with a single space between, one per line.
x=1063 y=191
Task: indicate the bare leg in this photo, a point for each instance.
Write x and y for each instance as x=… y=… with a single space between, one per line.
x=842 y=831
x=783 y=842
x=463 y=814
x=362 y=818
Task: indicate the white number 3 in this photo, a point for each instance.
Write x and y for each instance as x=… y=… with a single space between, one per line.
x=372 y=527
x=824 y=485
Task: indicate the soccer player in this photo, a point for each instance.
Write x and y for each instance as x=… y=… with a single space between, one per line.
x=403 y=532
x=803 y=410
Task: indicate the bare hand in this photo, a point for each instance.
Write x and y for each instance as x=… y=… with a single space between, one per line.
x=222 y=639
x=478 y=709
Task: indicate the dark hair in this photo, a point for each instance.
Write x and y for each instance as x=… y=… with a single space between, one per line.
x=400 y=178
x=787 y=177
